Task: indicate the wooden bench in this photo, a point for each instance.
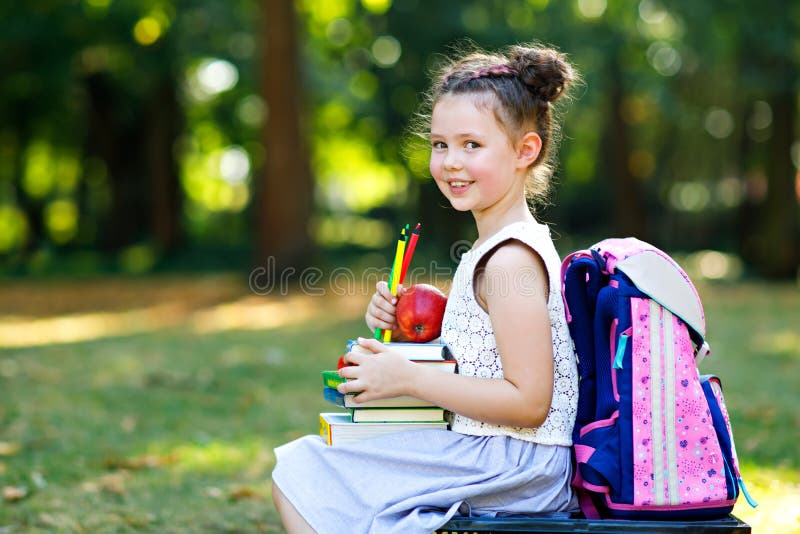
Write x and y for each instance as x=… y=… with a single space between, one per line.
x=727 y=525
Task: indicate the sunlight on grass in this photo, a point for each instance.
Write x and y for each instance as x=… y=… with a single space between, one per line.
x=783 y=342
x=87 y=326
x=246 y=313
x=254 y=313
x=224 y=457
x=777 y=492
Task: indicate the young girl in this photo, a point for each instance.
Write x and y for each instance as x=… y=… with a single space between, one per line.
x=515 y=395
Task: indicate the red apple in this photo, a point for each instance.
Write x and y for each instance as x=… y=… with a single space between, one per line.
x=419 y=313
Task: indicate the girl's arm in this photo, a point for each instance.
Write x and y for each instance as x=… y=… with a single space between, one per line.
x=514 y=289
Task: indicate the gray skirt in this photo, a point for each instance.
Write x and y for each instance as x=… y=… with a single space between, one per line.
x=416 y=481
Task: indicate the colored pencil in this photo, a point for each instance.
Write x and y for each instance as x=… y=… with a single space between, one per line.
x=409 y=252
x=394 y=277
x=378 y=332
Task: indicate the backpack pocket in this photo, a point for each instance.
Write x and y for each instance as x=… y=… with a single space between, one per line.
x=598 y=456
x=719 y=415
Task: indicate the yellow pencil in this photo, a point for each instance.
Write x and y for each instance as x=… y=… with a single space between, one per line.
x=395 y=276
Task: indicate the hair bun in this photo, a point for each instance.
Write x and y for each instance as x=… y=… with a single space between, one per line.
x=545 y=71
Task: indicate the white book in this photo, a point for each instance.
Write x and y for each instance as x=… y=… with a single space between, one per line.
x=338 y=428
x=412 y=351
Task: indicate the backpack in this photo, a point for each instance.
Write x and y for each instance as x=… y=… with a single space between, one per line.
x=652 y=438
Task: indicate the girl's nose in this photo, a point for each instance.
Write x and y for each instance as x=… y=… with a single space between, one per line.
x=451 y=160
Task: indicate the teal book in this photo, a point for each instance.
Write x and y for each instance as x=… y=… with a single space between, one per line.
x=346 y=401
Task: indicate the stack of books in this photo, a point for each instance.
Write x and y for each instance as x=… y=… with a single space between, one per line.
x=383 y=416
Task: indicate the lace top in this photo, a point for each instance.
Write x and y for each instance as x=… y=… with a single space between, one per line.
x=467 y=330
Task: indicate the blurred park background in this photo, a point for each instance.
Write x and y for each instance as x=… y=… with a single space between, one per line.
x=156 y=153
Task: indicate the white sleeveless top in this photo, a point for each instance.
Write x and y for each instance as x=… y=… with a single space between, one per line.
x=467 y=330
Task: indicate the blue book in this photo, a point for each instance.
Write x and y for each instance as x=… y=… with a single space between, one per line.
x=334 y=397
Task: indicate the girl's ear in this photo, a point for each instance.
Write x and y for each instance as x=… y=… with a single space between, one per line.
x=528 y=149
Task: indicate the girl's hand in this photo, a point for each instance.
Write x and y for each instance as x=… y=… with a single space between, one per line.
x=378 y=375
x=382 y=309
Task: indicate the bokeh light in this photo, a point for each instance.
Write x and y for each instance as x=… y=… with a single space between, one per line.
x=234 y=165
x=252 y=111
x=386 y=51
x=61 y=219
x=339 y=32
x=592 y=9
x=15 y=228
x=760 y=121
x=664 y=58
x=719 y=123
x=147 y=31
x=377 y=7
x=689 y=196
x=211 y=77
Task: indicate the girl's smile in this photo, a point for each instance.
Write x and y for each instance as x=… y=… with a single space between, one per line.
x=458 y=187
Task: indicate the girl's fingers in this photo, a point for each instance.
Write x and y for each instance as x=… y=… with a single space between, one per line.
x=374 y=323
x=378 y=319
x=384 y=306
x=372 y=344
x=381 y=309
x=382 y=315
x=361 y=397
x=383 y=290
x=351 y=386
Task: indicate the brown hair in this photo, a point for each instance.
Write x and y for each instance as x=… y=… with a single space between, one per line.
x=521 y=84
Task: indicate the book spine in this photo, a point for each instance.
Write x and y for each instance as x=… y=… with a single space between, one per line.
x=325 y=430
x=331 y=379
x=333 y=396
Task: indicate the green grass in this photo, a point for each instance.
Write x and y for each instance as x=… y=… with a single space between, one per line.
x=754 y=331
x=163 y=419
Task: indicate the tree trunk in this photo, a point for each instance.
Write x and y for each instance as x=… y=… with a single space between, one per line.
x=164 y=126
x=627 y=203
x=284 y=192
x=37 y=233
x=115 y=134
x=771 y=241
x=776 y=252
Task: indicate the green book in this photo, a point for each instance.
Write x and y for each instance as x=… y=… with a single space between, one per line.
x=331 y=379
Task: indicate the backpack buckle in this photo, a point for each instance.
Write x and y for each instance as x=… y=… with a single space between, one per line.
x=602 y=261
x=702 y=351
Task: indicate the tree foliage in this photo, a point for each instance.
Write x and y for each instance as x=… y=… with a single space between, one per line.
x=132 y=130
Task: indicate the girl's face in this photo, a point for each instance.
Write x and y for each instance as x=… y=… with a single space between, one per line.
x=472 y=158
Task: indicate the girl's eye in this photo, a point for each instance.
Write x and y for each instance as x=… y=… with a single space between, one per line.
x=438 y=145
x=472 y=144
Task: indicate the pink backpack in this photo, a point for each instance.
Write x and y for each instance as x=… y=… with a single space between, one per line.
x=652 y=439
